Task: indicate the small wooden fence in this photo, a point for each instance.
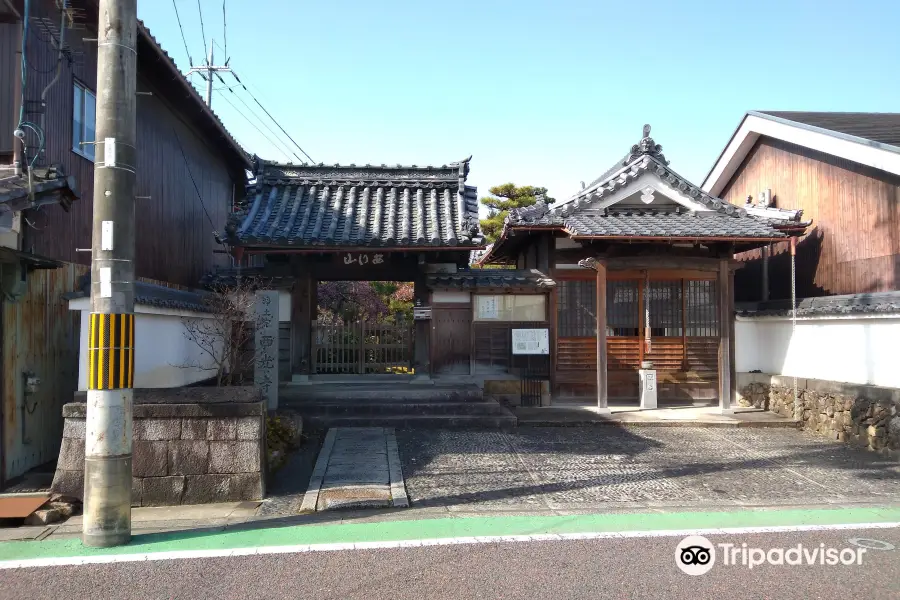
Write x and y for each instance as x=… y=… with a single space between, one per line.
x=362 y=348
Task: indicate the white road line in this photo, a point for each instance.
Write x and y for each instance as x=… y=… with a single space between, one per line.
x=490 y=539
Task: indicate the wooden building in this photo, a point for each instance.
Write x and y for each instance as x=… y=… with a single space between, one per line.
x=644 y=257
x=190 y=173
x=843 y=171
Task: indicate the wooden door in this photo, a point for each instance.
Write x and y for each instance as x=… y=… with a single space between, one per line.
x=451 y=340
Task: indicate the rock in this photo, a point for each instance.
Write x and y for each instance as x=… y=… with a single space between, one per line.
x=157 y=429
x=234 y=457
x=188 y=457
x=194 y=429
x=222 y=429
x=43 y=516
x=149 y=459
x=161 y=491
x=65 y=509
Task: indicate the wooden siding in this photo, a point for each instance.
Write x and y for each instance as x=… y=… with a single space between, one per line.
x=41 y=336
x=853 y=245
x=174 y=239
x=9 y=74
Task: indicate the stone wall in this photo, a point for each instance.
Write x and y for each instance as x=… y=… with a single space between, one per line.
x=863 y=415
x=210 y=450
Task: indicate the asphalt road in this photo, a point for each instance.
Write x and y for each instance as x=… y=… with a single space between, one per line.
x=608 y=568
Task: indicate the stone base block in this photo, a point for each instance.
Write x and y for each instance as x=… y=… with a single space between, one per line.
x=182 y=453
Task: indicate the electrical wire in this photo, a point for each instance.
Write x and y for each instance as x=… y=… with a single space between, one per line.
x=183 y=39
x=196 y=189
x=271 y=117
x=263 y=123
x=202 y=30
x=277 y=144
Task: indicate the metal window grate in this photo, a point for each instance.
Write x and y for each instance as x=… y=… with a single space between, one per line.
x=577 y=308
x=664 y=302
x=702 y=309
x=622 y=318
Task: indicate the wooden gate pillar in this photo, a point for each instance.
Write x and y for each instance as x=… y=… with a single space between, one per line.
x=303 y=311
x=727 y=375
x=599 y=265
x=422 y=341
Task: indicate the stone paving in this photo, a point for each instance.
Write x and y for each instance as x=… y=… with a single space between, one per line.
x=358 y=467
x=579 y=468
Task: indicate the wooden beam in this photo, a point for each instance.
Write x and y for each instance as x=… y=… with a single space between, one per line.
x=602 y=391
x=726 y=340
x=302 y=314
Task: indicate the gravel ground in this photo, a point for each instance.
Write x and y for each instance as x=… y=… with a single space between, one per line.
x=286 y=489
x=559 y=468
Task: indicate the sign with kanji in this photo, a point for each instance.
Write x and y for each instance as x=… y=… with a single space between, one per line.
x=265 y=359
x=531 y=341
x=363 y=259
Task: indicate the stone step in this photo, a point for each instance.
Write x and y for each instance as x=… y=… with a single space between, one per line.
x=507 y=421
x=383 y=394
x=359 y=409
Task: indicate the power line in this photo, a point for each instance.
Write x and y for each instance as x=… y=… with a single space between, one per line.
x=202 y=30
x=183 y=39
x=273 y=118
x=196 y=189
x=276 y=143
x=262 y=122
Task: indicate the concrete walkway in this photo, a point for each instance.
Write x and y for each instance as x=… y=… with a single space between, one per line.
x=666 y=416
x=358 y=467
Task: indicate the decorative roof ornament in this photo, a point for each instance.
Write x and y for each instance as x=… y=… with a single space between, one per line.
x=646 y=147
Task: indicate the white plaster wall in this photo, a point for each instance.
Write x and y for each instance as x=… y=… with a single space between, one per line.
x=451 y=297
x=162 y=349
x=284 y=306
x=863 y=349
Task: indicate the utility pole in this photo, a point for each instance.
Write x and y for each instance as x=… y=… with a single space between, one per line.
x=208 y=71
x=107 y=456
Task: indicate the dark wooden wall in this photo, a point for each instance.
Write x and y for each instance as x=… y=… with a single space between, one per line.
x=174 y=234
x=853 y=245
x=9 y=74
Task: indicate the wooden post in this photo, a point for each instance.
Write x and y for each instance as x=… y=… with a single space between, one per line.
x=303 y=310
x=421 y=360
x=602 y=404
x=726 y=328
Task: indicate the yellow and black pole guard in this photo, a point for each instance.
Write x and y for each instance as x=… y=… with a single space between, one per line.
x=111 y=352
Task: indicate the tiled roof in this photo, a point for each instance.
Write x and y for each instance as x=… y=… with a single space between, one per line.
x=877 y=127
x=491 y=278
x=588 y=213
x=666 y=223
x=352 y=206
x=149 y=294
x=48 y=186
x=257 y=276
x=872 y=303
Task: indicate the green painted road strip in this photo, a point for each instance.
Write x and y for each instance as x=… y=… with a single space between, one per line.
x=304 y=538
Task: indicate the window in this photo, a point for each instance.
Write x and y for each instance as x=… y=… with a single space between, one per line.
x=664 y=301
x=511 y=308
x=702 y=309
x=84 y=117
x=622 y=318
x=577 y=302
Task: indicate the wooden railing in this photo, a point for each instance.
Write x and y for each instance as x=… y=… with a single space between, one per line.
x=693 y=354
x=361 y=348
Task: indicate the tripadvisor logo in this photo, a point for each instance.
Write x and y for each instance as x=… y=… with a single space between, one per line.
x=696 y=555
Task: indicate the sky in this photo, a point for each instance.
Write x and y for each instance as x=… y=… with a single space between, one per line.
x=546 y=93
